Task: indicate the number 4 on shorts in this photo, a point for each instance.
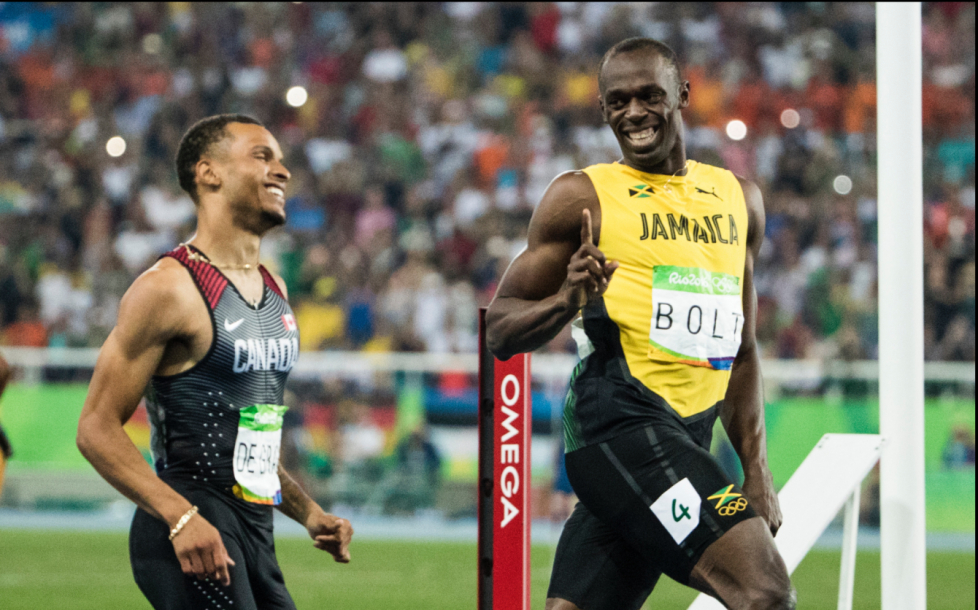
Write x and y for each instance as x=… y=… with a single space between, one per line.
x=678 y=509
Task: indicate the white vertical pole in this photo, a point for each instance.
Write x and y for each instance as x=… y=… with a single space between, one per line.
x=901 y=304
x=850 y=538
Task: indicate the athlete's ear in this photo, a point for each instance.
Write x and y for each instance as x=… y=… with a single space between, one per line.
x=684 y=94
x=207 y=174
x=604 y=115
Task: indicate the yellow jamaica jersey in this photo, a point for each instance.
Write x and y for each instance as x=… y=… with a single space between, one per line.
x=660 y=343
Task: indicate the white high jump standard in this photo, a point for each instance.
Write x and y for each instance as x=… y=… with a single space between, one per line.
x=829 y=479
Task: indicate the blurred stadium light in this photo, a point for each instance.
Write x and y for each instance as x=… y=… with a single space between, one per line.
x=116 y=146
x=790 y=118
x=736 y=130
x=842 y=184
x=296 y=96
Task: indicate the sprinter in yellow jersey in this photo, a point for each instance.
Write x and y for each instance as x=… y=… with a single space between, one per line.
x=656 y=254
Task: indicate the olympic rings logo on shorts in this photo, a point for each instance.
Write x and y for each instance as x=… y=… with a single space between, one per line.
x=732 y=508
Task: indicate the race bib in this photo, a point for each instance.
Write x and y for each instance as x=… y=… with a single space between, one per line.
x=256 y=452
x=697 y=317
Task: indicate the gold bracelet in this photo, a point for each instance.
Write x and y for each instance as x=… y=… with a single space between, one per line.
x=183 y=521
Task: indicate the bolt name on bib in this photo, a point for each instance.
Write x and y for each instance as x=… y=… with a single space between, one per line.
x=697 y=316
x=256 y=454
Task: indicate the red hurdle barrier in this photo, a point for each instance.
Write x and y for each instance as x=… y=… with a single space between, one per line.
x=505 y=418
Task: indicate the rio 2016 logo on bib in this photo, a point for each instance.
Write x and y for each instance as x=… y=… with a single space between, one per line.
x=256 y=453
x=697 y=316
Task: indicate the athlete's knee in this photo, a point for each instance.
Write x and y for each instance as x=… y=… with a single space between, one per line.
x=555 y=603
x=773 y=591
x=772 y=597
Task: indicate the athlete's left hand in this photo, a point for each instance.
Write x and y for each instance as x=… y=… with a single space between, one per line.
x=332 y=534
x=759 y=489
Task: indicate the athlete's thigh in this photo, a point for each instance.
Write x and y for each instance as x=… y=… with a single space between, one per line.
x=743 y=567
x=239 y=594
x=158 y=575
x=267 y=580
x=596 y=569
x=662 y=492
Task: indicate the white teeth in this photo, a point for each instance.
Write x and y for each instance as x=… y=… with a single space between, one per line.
x=276 y=191
x=642 y=136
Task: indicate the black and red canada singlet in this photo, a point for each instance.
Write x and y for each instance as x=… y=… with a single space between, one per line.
x=194 y=414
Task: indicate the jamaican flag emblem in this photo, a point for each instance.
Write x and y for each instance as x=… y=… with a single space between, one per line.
x=640 y=191
x=729 y=502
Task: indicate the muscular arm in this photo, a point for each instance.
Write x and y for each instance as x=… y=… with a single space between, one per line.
x=331 y=533
x=743 y=408
x=296 y=503
x=154 y=312
x=148 y=320
x=561 y=268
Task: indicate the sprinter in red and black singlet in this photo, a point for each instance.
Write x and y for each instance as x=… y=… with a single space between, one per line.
x=194 y=418
x=194 y=414
x=208 y=335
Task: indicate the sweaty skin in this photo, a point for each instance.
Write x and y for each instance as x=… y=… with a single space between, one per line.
x=562 y=269
x=164 y=328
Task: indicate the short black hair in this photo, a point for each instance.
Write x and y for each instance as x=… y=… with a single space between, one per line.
x=198 y=141
x=637 y=44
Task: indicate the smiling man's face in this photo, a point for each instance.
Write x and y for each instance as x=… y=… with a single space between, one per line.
x=642 y=100
x=255 y=179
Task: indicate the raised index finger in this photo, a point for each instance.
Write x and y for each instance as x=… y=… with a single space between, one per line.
x=587 y=236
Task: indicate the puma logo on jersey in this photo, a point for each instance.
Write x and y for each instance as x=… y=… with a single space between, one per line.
x=230 y=326
x=265 y=354
x=713 y=192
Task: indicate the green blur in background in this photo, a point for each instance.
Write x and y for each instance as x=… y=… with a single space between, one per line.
x=40 y=421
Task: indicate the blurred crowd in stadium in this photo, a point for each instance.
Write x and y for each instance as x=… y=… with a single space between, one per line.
x=430 y=132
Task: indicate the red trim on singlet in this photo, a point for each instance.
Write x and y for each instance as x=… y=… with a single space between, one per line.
x=210 y=281
x=270 y=282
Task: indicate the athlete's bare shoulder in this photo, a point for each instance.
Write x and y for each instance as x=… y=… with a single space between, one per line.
x=752 y=193
x=160 y=302
x=755 y=212
x=558 y=216
x=280 y=283
x=168 y=280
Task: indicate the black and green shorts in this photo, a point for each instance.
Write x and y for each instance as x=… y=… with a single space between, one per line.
x=651 y=502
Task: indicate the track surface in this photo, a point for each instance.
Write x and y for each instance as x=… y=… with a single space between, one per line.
x=90 y=570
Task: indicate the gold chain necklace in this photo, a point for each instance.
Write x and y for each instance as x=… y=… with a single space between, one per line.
x=669 y=181
x=202 y=258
